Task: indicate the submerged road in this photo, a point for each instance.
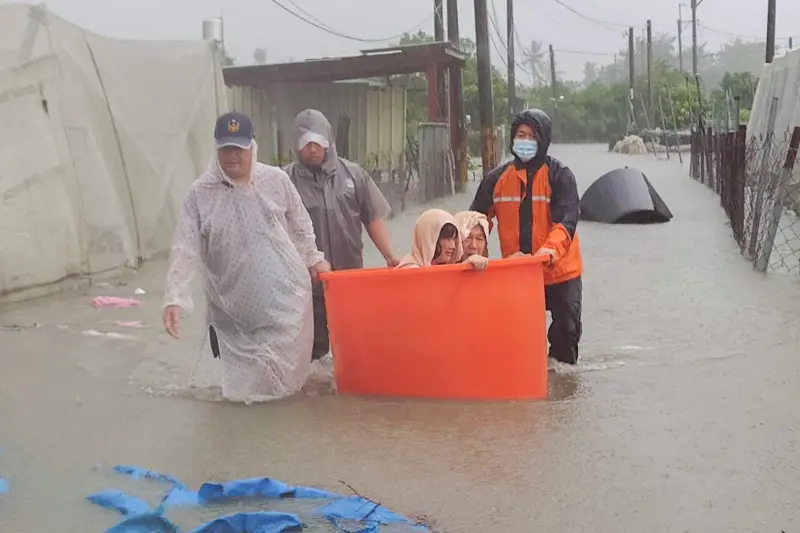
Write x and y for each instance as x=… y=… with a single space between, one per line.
x=683 y=415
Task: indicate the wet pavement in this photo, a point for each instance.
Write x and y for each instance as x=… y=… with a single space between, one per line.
x=683 y=415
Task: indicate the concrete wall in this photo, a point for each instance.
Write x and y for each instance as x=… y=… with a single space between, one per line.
x=377 y=117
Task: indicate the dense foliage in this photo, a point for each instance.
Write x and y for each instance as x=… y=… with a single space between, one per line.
x=596 y=108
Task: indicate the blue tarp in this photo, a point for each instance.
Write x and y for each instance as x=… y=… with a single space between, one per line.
x=367 y=515
x=3 y=483
x=140 y=473
x=146 y=523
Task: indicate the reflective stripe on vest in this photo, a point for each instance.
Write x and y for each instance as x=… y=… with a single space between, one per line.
x=518 y=199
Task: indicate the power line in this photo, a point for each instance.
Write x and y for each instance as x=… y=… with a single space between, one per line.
x=518 y=39
x=503 y=60
x=560 y=18
x=492 y=19
x=611 y=26
x=583 y=53
x=498 y=50
x=723 y=32
x=570 y=22
x=311 y=16
x=327 y=29
x=504 y=46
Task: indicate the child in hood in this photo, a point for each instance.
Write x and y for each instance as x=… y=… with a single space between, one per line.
x=437 y=241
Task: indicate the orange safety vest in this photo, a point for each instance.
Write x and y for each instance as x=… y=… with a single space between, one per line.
x=507 y=198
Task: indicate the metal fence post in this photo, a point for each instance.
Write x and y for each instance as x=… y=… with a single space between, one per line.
x=435 y=164
x=739 y=178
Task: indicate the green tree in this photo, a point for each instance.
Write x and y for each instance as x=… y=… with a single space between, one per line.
x=735 y=56
x=534 y=57
x=734 y=85
x=589 y=73
x=597 y=108
x=599 y=111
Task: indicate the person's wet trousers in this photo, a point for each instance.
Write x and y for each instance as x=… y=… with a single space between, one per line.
x=563 y=300
x=321 y=342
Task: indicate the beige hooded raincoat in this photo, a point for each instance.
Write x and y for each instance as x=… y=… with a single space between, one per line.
x=426 y=236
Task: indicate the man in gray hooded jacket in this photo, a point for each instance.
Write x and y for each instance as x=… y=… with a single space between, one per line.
x=340 y=197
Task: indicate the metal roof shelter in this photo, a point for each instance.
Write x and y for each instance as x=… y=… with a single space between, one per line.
x=370 y=64
x=430 y=58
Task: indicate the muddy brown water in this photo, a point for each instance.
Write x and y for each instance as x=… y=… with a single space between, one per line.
x=683 y=415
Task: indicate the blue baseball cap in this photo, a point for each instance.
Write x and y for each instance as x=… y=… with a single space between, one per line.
x=233 y=129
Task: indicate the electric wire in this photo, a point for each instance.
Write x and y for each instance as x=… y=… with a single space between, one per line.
x=739 y=35
x=611 y=26
x=312 y=21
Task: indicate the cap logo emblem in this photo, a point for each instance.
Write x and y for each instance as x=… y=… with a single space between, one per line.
x=233 y=125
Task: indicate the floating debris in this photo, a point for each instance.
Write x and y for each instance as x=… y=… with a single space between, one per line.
x=115 y=302
x=357 y=510
x=110 y=335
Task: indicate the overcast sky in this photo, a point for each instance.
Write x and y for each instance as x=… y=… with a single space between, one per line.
x=251 y=24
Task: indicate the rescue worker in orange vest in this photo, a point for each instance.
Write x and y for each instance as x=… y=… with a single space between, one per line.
x=535 y=201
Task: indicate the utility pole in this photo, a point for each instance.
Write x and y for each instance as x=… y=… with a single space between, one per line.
x=488 y=155
x=222 y=33
x=770 y=30
x=680 y=40
x=694 y=37
x=512 y=78
x=554 y=84
x=438 y=36
x=631 y=74
x=649 y=67
x=438 y=21
x=458 y=135
x=644 y=50
x=790 y=44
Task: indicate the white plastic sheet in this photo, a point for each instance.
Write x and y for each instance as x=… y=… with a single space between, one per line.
x=780 y=79
x=39 y=232
x=94 y=182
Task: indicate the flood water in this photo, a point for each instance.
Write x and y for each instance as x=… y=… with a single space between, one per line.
x=683 y=415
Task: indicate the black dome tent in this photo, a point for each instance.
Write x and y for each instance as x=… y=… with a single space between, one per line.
x=623 y=196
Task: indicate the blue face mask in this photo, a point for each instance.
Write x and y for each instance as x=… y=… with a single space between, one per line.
x=526 y=149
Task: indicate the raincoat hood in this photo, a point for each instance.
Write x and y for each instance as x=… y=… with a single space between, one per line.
x=426 y=236
x=215 y=168
x=340 y=197
x=313 y=121
x=542 y=126
x=466 y=220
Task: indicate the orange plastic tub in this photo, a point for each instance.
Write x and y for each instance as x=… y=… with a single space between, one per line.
x=440 y=332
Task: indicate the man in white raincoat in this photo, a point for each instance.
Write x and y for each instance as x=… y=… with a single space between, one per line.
x=341 y=198
x=244 y=227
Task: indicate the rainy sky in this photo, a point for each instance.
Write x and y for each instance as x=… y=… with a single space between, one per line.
x=580 y=30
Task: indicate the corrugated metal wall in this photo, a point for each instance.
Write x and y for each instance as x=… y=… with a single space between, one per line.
x=377 y=117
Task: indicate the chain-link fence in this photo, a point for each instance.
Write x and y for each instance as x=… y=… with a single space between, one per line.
x=760 y=190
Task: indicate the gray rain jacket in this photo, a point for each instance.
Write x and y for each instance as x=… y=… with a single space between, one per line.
x=340 y=197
